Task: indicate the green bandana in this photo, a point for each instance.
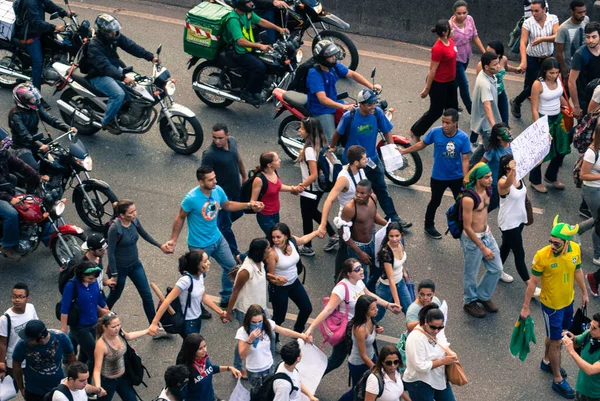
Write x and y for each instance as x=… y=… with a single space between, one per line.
x=563 y=230
x=92 y=270
x=477 y=172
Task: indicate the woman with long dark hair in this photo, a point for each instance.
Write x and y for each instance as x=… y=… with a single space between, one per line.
x=388 y=368
x=500 y=139
x=194 y=355
x=314 y=141
x=546 y=100
x=193 y=266
x=440 y=85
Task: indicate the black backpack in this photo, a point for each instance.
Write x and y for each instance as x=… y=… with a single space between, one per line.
x=265 y=391
x=589 y=90
x=61 y=388
x=134 y=368
x=74 y=308
x=67 y=273
x=246 y=191
x=299 y=82
x=175 y=324
x=361 y=387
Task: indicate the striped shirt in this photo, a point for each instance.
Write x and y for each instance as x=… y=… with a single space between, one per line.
x=544 y=49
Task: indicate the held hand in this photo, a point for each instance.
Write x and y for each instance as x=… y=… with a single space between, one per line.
x=153 y=329
x=110 y=282
x=308 y=332
x=223 y=317
x=322 y=231
x=487 y=253
x=395 y=308
x=523 y=67
x=171 y=244
x=166 y=248
x=307 y=338
x=257 y=206
x=424 y=93
x=348 y=107
x=364 y=258
x=236 y=373
x=520 y=70
x=44 y=148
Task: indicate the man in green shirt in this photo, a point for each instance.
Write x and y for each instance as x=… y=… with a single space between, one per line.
x=239 y=33
x=588 y=379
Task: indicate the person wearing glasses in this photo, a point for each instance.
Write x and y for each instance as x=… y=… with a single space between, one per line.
x=109 y=358
x=425 y=296
x=387 y=367
x=426 y=358
x=588 y=378
x=91 y=304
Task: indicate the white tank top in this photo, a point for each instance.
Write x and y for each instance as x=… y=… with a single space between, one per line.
x=345 y=197
x=286 y=265
x=549 y=104
x=255 y=289
x=512 y=211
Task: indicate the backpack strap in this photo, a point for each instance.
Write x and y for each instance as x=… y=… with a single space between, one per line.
x=284 y=376
x=8 y=328
x=188 y=301
x=380 y=384
x=347 y=130
x=65 y=391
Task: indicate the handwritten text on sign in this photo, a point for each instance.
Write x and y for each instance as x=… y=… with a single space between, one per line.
x=531 y=146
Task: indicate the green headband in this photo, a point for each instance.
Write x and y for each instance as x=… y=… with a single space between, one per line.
x=477 y=172
x=563 y=230
x=92 y=270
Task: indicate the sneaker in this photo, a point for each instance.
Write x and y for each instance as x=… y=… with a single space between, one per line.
x=585 y=213
x=489 y=306
x=306 y=251
x=404 y=224
x=537 y=292
x=162 y=334
x=515 y=108
x=593 y=284
x=507 y=278
x=205 y=314
x=474 y=310
x=432 y=232
x=11 y=253
x=332 y=244
x=564 y=389
x=546 y=368
x=45 y=104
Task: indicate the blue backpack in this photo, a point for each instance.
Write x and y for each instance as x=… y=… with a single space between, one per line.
x=454 y=213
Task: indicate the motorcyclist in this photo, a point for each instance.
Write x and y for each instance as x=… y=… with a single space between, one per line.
x=321 y=80
x=9 y=163
x=32 y=14
x=104 y=67
x=23 y=120
x=239 y=33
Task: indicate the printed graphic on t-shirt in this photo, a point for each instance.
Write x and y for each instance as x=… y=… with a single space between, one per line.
x=364 y=129
x=450 y=152
x=44 y=362
x=210 y=209
x=19 y=328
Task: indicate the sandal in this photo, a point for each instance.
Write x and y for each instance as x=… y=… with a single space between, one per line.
x=556 y=184
x=541 y=188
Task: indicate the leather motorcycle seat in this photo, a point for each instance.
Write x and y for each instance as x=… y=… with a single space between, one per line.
x=82 y=80
x=298 y=100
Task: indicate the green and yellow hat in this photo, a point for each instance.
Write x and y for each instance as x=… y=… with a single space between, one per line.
x=563 y=230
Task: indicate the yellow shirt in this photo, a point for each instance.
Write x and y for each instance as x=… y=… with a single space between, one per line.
x=558 y=275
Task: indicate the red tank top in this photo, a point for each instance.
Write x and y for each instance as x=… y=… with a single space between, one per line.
x=271 y=198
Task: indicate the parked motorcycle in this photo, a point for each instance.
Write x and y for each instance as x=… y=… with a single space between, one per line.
x=220 y=82
x=40 y=220
x=83 y=106
x=15 y=62
x=292 y=143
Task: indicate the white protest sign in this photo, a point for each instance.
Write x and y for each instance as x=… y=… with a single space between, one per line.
x=311 y=367
x=7 y=389
x=240 y=393
x=392 y=159
x=531 y=146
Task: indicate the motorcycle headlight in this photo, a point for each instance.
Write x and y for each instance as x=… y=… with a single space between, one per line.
x=59 y=208
x=299 y=56
x=318 y=8
x=85 y=163
x=170 y=87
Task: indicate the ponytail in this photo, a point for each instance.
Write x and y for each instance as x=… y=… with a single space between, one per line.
x=121 y=207
x=190 y=262
x=266 y=158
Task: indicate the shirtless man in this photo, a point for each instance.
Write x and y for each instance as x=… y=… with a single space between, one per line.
x=362 y=212
x=478 y=244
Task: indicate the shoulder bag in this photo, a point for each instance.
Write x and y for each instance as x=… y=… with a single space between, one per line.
x=333 y=328
x=454 y=373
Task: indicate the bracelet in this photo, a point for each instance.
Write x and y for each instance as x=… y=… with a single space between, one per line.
x=249 y=205
x=248 y=343
x=228 y=368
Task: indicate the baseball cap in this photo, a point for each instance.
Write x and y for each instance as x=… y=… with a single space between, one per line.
x=366 y=96
x=33 y=330
x=94 y=242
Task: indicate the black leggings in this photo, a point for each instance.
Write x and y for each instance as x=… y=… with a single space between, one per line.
x=309 y=209
x=442 y=96
x=280 y=295
x=513 y=240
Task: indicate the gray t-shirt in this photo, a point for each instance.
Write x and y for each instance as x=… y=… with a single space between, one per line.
x=122 y=249
x=485 y=90
x=572 y=36
x=412 y=313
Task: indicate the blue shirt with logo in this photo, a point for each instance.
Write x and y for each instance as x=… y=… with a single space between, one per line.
x=315 y=83
x=202 y=216
x=447 y=153
x=363 y=130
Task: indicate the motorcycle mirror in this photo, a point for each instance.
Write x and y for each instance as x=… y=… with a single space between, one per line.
x=67 y=2
x=342 y=96
x=53 y=16
x=373 y=72
x=159 y=49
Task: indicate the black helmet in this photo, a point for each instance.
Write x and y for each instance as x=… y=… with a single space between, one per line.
x=325 y=49
x=107 y=27
x=242 y=5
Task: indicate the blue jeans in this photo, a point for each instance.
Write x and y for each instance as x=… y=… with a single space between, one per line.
x=37 y=62
x=421 y=391
x=281 y=294
x=192 y=326
x=222 y=254
x=256 y=378
x=86 y=339
x=384 y=292
x=116 y=96
x=377 y=178
x=328 y=124
x=503 y=106
x=473 y=259
x=138 y=277
x=266 y=222
x=120 y=385
x=10 y=227
x=591 y=195
x=463 y=84
x=237 y=360
x=369 y=249
x=225 y=220
x=254 y=70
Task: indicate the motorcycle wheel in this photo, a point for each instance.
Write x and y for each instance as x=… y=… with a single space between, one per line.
x=348 y=51
x=289 y=137
x=208 y=72
x=410 y=172
x=73 y=242
x=8 y=60
x=74 y=99
x=184 y=141
x=94 y=216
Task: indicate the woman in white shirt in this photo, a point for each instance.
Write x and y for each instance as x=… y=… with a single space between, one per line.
x=192 y=267
x=314 y=140
x=425 y=375
x=254 y=340
x=387 y=367
x=351 y=278
x=546 y=100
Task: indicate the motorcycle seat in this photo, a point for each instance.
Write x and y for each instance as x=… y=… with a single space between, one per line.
x=298 y=100
x=82 y=80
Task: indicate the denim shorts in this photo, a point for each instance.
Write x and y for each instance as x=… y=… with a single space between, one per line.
x=557 y=320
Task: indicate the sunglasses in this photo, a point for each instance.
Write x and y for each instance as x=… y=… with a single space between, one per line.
x=439 y=328
x=107 y=317
x=395 y=362
x=357 y=269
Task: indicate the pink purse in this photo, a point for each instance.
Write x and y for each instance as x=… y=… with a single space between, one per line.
x=333 y=328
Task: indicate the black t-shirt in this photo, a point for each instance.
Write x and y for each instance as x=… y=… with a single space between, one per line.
x=588 y=66
x=226 y=166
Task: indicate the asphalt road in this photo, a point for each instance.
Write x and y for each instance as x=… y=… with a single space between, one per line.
x=143 y=168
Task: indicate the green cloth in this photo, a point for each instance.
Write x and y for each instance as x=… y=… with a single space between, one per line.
x=500 y=80
x=240 y=26
x=561 y=145
x=587 y=385
x=402 y=349
x=522 y=335
x=477 y=172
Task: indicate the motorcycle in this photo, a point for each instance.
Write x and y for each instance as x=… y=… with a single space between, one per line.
x=15 y=62
x=83 y=106
x=292 y=143
x=40 y=220
x=220 y=82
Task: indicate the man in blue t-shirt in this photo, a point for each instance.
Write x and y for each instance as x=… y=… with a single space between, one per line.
x=43 y=351
x=361 y=127
x=450 y=163
x=200 y=207
x=320 y=81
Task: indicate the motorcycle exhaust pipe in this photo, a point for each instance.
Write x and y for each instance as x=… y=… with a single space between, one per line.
x=6 y=71
x=80 y=118
x=198 y=87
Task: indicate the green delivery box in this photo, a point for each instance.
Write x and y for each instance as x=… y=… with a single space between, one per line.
x=204 y=30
